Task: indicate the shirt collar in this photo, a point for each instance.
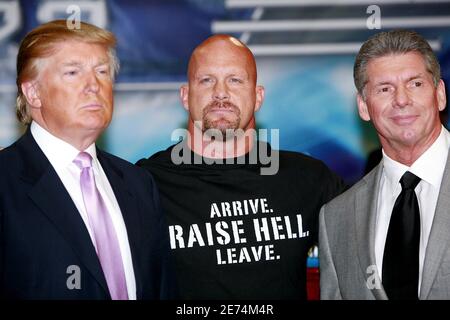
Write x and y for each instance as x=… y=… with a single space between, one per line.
x=428 y=167
x=60 y=153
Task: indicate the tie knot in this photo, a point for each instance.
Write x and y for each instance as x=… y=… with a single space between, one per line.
x=83 y=160
x=409 y=181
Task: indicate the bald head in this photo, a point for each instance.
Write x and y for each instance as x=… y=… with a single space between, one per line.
x=221 y=46
x=221 y=93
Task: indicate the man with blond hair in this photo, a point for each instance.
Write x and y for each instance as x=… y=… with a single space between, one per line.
x=75 y=221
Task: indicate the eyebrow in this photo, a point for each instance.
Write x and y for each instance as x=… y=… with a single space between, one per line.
x=78 y=64
x=71 y=64
x=102 y=62
x=420 y=75
x=387 y=82
x=233 y=74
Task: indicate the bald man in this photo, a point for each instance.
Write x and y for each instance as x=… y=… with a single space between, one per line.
x=242 y=216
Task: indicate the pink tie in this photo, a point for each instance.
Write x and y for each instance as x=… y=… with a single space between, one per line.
x=101 y=225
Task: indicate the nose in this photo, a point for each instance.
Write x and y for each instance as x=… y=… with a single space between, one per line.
x=401 y=98
x=220 y=91
x=92 y=84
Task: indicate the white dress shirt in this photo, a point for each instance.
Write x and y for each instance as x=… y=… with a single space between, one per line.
x=61 y=154
x=430 y=168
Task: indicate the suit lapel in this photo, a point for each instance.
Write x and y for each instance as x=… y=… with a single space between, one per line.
x=366 y=203
x=50 y=195
x=129 y=208
x=439 y=235
x=52 y=198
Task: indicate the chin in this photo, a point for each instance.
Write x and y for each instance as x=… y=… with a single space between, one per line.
x=221 y=123
x=408 y=134
x=95 y=123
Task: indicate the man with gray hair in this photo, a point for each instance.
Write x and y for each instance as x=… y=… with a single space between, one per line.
x=387 y=237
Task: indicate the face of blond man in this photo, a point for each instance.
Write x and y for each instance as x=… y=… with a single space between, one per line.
x=72 y=97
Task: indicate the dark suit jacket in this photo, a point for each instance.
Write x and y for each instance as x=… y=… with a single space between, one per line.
x=42 y=233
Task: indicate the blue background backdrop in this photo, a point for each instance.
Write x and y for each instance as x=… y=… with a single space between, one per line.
x=310 y=98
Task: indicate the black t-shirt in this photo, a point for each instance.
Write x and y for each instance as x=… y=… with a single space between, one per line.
x=238 y=234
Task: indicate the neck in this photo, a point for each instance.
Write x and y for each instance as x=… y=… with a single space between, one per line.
x=81 y=141
x=408 y=154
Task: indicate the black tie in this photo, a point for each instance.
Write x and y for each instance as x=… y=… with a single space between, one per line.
x=401 y=252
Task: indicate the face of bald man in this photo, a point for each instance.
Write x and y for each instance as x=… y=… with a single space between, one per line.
x=222 y=91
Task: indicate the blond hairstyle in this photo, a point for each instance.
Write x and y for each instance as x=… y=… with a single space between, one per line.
x=393 y=42
x=40 y=42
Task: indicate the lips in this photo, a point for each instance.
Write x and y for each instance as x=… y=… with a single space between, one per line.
x=221 y=108
x=404 y=120
x=92 y=106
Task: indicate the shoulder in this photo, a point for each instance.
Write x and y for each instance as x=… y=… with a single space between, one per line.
x=136 y=179
x=20 y=165
x=302 y=161
x=115 y=160
x=346 y=200
x=163 y=156
x=307 y=168
x=11 y=157
x=8 y=153
x=125 y=168
x=288 y=159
